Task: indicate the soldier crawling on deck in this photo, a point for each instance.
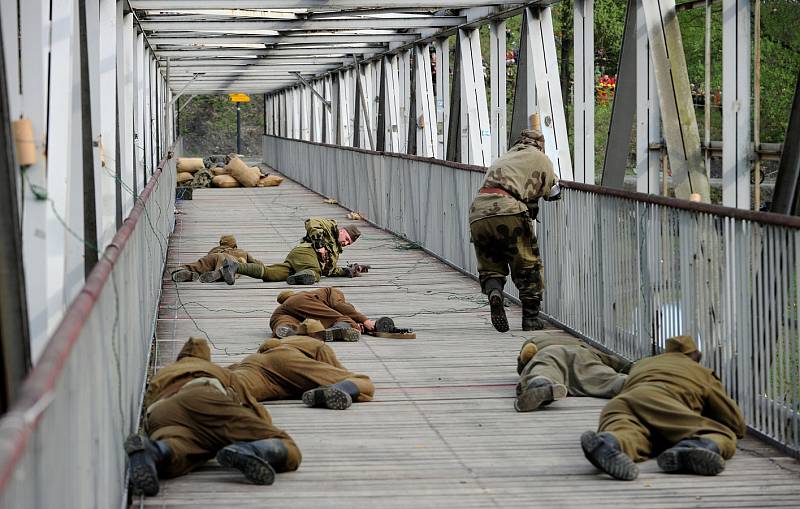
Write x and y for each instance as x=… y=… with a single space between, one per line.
x=209 y=268
x=341 y=319
x=670 y=405
x=314 y=257
x=196 y=410
x=552 y=366
x=502 y=231
x=302 y=366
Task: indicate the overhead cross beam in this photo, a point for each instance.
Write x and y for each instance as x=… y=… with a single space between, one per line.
x=311 y=5
x=355 y=23
x=206 y=38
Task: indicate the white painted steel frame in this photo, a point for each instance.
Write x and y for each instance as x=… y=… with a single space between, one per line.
x=476 y=146
x=427 y=145
x=497 y=83
x=648 y=112
x=583 y=93
x=442 y=94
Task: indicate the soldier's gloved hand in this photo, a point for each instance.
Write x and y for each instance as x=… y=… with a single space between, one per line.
x=355 y=269
x=349 y=271
x=369 y=325
x=554 y=194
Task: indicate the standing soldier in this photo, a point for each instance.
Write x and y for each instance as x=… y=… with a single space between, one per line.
x=196 y=410
x=328 y=305
x=314 y=257
x=669 y=402
x=302 y=367
x=502 y=230
x=209 y=268
x=553 y=366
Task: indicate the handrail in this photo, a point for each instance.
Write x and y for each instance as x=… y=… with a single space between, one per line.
x=24 y=415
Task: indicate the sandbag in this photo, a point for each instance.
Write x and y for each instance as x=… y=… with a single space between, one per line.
x=219 y=171
x=183 y=176
x=248 y=176
x=190 y=164
x=224 y=181
x=270 y=181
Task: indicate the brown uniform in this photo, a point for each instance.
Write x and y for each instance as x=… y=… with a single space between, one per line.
x=668 y=398
x=328 y=305
x=285 y=369
x=216 y=256
x=584 y=370
x=197 y=408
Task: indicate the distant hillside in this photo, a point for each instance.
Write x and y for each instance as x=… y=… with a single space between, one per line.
x=208 y=125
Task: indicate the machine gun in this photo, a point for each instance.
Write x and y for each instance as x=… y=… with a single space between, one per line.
x=385 y=328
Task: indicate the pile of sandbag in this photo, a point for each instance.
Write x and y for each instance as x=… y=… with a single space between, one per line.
x=222 y=171
x=187 y=167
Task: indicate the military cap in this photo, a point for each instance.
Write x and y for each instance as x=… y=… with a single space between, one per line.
x=682 y=344
x=353 y=231
x=310 y=326
x=195 y=347
x=284 y=295
x=227 y=241
x=269 y=345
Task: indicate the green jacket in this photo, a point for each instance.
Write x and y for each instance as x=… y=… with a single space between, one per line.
x=323 y=232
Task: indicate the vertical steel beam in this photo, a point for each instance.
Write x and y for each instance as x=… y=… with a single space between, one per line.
x=736 y=151
x=425 y=104
x=305 y=112
x=497 y=79
x=127 y=90
x=91 y=237
x=583 y=30
x=327 y=114
x=380 y=128
x=648 y=112
x=622 y=110
x=786 y=199
x=524 y=88
x=109 y=42
x=392 y=104
x=475 y=128
x=442 y=94
x=677 y=109
x=454 y=126
x=404 y=97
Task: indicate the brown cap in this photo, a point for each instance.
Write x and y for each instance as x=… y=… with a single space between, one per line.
x=269 y=345
x=195 y=347
x=681 y=344
x=284 y=295
x=353 y=231
x=310 y=326
x=227 y=241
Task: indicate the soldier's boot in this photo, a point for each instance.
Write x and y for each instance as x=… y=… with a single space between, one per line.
x=254 y=270
x=184 y=275
x=303 y=277
x=212 y=276
x=341 y=331
x=530 y=315
x=256 y=460
x=144 y=458
x=493 y=288
x=540 y=391
x=693 y=455
x=604 y=452
x=285 y=331
x=338 y=396
x=229 y=270
x=384 y=324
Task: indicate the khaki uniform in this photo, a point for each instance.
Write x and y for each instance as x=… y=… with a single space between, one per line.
x=328 y=305
x=217 y=255
x=500 y=224
x=666 y=399
x=285 y=369
x=585 y=371
x=197 y=408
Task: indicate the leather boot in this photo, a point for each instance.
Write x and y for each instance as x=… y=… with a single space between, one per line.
x=303 y=277
x=228 y=270
x=494 y=289
x=539 y=392
x=604 y=452
x=284 y=331
x=256 y=460
x=184 y=275
x=338 y=396
x=692 y=455
x=530 y=316
x=341 y=331
x=144 y=458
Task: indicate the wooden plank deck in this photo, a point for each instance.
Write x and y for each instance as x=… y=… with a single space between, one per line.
x=442 y=431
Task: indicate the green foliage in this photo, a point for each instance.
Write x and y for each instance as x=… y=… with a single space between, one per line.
x=208 y=125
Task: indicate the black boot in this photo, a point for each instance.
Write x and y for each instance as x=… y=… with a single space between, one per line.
x=144 y=457
x=530 y=315
x=303 y=277
x=229 y=268
x=184 y=275
x=493 y=287
x=692 y=455
x=256 y=460
x=338 y=396
x=539 y=392
x=604 y=452
x=341 y=331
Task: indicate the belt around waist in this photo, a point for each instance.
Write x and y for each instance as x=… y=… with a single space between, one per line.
x=495 y=190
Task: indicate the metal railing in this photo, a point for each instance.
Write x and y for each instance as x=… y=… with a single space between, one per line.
x=624 y=270
x=61 y=442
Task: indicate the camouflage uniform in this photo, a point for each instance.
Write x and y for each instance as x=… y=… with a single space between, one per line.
x=500 y=219
x=197 y=408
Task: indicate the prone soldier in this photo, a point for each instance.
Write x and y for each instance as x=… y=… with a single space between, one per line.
x=671 y=406
x=554 y=366
x=196 y=410
x=208 y=269
x=317 y=255
x=328 y=305
x=502 y=231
